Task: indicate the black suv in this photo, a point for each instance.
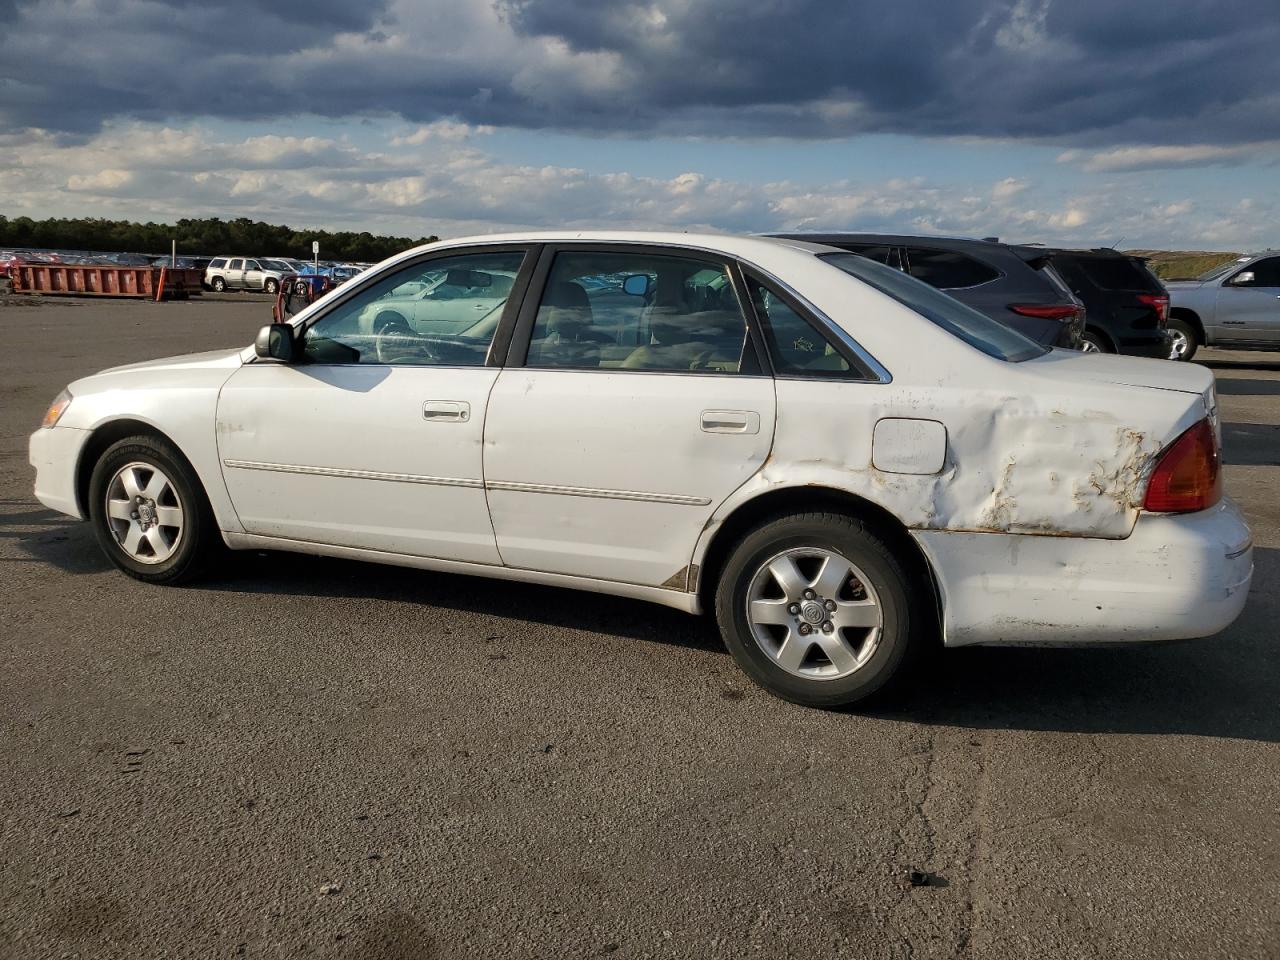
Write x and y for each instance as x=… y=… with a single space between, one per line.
x=1015 y=286
x=1126 y=306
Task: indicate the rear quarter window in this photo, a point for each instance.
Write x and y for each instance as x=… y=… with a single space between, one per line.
x=1114 y=273
x=217 y=264
x=947 y=269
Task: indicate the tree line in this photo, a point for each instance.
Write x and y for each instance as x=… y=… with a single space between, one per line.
x=209 y=237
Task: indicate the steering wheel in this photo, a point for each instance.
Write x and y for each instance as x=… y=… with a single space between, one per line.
x=390 y=331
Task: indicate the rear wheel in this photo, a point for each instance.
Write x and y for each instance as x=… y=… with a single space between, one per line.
x=1183 y=340
x=815 y=608
x=1091 y=342
x=219 y=284
x=149 y=512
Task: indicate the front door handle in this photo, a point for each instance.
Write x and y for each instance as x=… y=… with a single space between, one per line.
x=454 y=411
x=730 y=421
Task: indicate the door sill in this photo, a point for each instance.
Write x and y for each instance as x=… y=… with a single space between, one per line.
x=678 y=599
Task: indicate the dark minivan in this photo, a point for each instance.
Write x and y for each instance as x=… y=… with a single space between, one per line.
x=1126 y=305
x=1016 y=286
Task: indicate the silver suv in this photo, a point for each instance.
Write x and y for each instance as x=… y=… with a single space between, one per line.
x=245 y=273
x=1236 y=305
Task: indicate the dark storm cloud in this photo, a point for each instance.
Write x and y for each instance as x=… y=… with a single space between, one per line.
x=1080 y=71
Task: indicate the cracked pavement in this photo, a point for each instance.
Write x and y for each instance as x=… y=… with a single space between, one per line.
x=305 y=756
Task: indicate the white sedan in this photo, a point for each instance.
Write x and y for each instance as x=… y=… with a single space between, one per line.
x=842 y=463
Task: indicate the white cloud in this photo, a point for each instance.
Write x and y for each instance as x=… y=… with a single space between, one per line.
x=1008 y=188
x=447 y=130
x=1165 y=156
x=445 y=185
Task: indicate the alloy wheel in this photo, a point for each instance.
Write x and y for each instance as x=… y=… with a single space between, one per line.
x=1179 y=343
x=814 y=613
x=144 y=512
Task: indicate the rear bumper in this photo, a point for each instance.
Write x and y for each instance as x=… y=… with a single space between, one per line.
x=55 y=453
x=1173 y=578
x=1156 y=347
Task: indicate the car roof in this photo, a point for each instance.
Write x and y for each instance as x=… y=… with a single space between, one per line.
x=738 y=245
x=890 y=239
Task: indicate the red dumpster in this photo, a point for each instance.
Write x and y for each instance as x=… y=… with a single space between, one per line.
x=103 y=281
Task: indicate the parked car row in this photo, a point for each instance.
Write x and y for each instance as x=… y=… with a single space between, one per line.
x=269 y=274
x=1092 y=300
x=840 y=462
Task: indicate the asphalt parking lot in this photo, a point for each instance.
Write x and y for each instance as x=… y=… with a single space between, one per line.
x=314 y=757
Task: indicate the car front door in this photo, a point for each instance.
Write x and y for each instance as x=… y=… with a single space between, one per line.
x=1248 y=308
x=373 y=439
x=634 y=402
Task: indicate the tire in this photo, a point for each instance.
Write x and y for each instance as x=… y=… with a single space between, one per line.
x=1091 y=342
x=271 y=286
x=165 y=553
x=219 y=285
x=870 y=658
x=1183 y=340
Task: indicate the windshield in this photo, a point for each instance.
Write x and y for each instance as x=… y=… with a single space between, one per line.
x=1222 y=268
x=277 y=265
x=976 y=329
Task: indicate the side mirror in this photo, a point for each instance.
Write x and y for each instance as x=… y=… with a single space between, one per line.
x=1242 y=279
x=275 y=342
x=637 y=285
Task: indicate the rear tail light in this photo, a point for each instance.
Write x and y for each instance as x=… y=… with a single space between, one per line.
x=1188 y=475
x=1159 y=302
x=1051 y=311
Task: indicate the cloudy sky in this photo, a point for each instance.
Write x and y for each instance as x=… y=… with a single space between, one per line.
x=1152 y=123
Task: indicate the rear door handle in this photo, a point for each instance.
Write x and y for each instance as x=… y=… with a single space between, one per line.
x=455 y=411
x=730 y=421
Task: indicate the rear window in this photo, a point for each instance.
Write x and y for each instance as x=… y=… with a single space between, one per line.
x=948 y=270
x=976 y=329
x=217 y=264
x=1114 y=273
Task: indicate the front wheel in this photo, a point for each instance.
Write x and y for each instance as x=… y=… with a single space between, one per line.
x=271 y=286
x=1183 y=341
x=815 y=608
x=149 y=512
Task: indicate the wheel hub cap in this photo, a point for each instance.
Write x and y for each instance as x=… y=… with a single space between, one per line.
x=813 y=612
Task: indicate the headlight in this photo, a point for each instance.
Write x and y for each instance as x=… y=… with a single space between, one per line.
x=57 y=409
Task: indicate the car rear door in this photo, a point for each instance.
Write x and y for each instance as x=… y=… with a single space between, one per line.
x=235 y=273
x=624 y=416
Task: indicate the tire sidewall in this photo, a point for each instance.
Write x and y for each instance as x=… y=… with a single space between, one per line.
x=864 y=551
x=196 y=518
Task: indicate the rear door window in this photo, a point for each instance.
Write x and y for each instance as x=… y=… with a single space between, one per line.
x=629 y=311
x=947 y=269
